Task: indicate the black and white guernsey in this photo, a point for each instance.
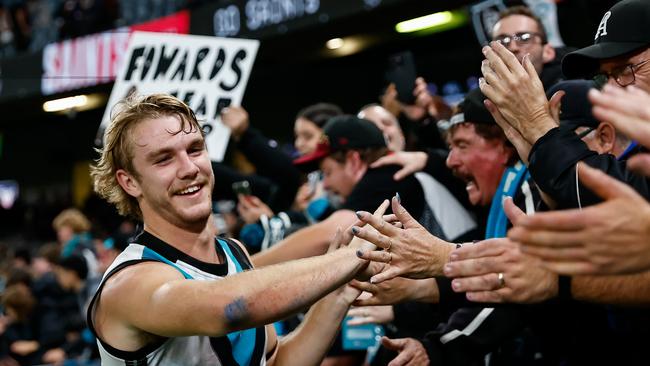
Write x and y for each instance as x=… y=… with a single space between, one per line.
x=242 y=348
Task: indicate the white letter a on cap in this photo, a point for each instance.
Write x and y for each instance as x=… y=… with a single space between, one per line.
x=602 y=27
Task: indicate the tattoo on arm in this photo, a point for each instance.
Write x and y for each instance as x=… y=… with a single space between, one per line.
x=236 y=312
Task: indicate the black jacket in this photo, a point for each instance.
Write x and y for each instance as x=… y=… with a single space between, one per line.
x=552 y=165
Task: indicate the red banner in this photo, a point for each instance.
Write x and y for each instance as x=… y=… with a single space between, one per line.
x=95 y=59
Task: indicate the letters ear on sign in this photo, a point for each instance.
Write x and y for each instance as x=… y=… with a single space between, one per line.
x=207 y=73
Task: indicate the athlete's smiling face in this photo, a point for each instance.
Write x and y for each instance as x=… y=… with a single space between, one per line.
x=173 y=177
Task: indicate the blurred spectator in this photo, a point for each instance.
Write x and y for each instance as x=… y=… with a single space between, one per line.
x=387 y=123
x=57 y=316
x=266 y=217
x=46 y=256
x=71 y=273
x=22 y=258
x=73 y=232
x=20 y=333
x=266 y=160
x=308 y=130
x=19 y=276
x=73 y=276
x=309 y=125
x=107 y=247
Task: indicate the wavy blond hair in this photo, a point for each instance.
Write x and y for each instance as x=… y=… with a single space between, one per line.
x=117 y=152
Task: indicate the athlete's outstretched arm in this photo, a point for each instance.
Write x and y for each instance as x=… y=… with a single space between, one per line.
x=154 y=298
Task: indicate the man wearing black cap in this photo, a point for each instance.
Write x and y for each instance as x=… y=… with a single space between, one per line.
x=620 y=53
x=350 y=145
x=576 y=115
x=580 y=137
x=482 y=157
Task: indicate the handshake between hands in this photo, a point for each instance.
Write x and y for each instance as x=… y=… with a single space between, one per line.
x=404 y=259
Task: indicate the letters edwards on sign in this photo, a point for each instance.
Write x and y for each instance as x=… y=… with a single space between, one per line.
x=207 y=73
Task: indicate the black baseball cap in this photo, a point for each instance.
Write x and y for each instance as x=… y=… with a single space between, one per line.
x=342 y=133
x=471 y=110
x=625 y=28
x=575 y=110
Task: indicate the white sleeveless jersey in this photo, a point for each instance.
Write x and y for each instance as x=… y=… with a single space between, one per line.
x=242 y=348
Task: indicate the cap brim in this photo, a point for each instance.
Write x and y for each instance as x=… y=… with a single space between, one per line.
x=311 y=162
x=584 y=63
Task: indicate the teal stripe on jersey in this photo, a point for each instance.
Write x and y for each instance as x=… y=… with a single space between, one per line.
x=243 y=341
x=228 y=252
x=150 y=254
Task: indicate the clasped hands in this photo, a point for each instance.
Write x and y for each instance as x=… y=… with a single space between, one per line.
x=411 y=257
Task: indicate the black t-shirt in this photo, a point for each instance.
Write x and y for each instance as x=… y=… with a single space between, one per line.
x=378 y=184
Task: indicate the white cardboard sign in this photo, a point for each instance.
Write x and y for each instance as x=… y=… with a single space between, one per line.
x=207 y=73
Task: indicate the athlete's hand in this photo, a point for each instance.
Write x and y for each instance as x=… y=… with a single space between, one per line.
x=359 y=243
